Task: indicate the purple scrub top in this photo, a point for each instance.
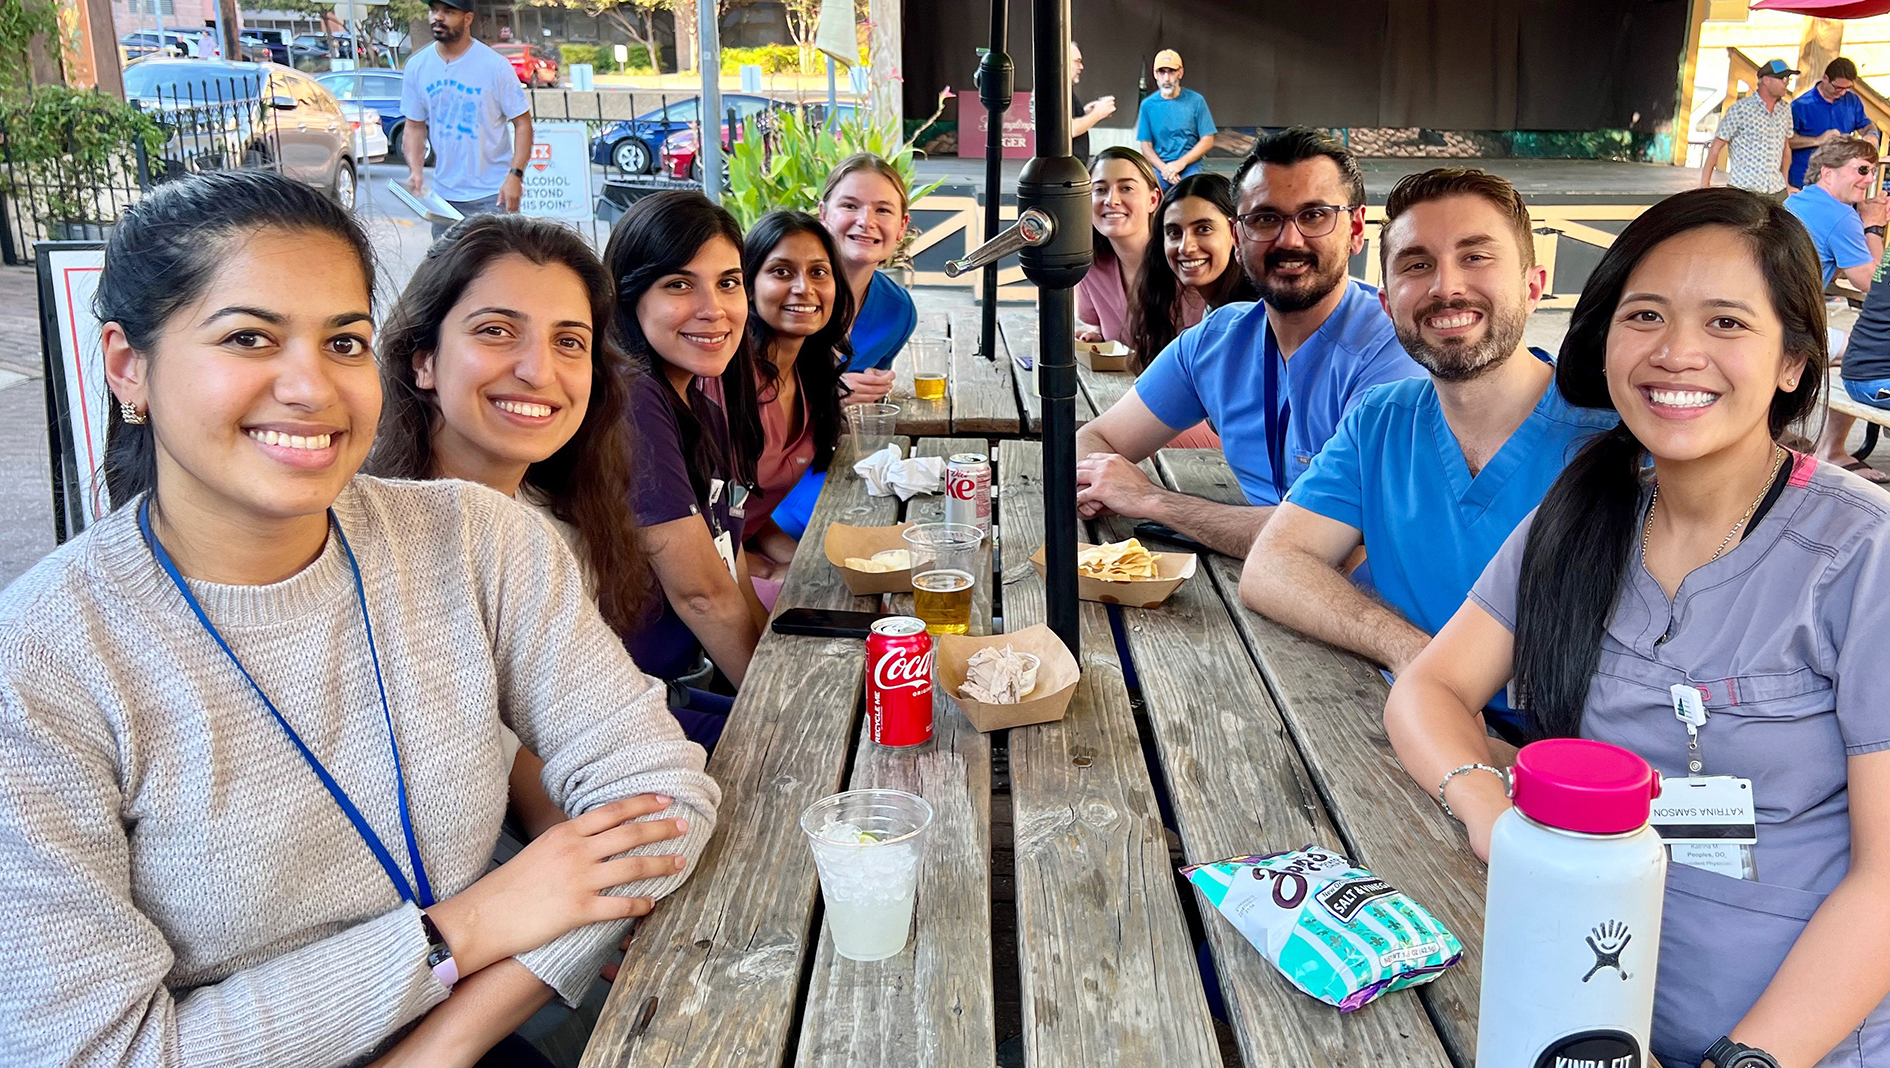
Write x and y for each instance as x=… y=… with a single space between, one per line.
x=1764 y=633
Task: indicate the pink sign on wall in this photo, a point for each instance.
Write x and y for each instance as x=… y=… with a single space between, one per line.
x=1020 y=131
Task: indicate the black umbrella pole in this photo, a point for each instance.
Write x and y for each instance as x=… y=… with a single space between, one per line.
x=1057 y=184
x=996 y=79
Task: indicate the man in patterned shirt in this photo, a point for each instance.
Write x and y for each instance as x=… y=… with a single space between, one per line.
x=1758 y=130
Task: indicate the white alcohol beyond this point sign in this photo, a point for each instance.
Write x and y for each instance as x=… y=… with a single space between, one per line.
x=558 y=176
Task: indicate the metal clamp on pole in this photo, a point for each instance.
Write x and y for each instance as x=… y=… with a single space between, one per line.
x=1033 y=228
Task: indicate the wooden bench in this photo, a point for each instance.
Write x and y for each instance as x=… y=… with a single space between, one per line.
x=1842 y=402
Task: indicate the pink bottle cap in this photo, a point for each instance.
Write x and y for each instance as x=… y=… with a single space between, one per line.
x=1575 y=784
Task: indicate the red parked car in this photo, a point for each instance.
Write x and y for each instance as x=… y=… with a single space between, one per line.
x=535 y=65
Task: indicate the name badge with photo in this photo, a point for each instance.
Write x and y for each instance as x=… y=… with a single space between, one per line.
x=1708 y=822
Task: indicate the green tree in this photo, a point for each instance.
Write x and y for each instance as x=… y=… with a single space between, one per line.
x=636 y=18
x=20 y=22
x=394 y=18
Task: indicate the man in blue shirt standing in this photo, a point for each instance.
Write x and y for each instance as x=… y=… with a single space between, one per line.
x=1174 y=125
x=1830 y=110
x=1273 y=377
x=1432 y=474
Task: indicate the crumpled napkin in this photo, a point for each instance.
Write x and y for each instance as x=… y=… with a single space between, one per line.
x=885 y=473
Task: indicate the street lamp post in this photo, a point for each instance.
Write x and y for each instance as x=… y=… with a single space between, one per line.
x=709 y=114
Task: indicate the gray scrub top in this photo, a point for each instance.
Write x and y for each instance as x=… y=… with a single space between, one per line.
x=1763 y=633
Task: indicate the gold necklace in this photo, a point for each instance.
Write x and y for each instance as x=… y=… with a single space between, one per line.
x=1779 y=454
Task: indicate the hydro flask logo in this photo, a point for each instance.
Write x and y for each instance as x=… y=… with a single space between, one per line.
x=1607 y=941
x=1594 y=1049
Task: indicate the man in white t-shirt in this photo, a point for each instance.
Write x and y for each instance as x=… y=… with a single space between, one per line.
x=460 y=94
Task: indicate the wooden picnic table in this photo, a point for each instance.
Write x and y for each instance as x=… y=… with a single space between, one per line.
x=1262 y=739
x=993 y=398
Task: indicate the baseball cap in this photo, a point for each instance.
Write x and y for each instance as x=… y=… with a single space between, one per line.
x=463 y=5
x=1167 y=57
x=1775 y=68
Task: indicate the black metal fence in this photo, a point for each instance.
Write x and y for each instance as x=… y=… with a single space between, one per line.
x=67 y=175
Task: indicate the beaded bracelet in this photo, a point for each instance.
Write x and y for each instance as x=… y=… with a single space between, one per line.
x=1498 y=772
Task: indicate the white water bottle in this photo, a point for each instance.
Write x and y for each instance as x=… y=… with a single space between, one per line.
x=1571 y=925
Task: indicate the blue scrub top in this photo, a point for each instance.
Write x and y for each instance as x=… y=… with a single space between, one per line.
x=1812 y=115
x=1395 y=473
x=1837 y=231
x=885 y=320
x=1216 y=371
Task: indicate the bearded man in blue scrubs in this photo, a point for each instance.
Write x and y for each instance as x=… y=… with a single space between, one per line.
x=1273 y=377
x=1431 y=474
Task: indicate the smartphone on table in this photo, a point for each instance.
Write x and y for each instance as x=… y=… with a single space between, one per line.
x=826 y=622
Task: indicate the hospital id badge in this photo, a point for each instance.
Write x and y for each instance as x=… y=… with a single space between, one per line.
x=725 y=548
x=1708 y=822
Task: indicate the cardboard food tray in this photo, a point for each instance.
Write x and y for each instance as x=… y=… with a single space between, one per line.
x=843 y=541
x=1174 y=569
x=1057 y=676
x=1103 y=355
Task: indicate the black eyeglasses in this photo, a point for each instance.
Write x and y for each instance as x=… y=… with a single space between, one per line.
x=1316 y=221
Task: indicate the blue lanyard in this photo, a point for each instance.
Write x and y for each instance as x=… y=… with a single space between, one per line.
x=1279 y=413
x=424 y=895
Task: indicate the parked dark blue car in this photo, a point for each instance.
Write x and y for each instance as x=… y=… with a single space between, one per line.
x=633 y=146
x=377 y=89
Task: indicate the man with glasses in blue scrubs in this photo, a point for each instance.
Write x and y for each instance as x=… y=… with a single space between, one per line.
x=1272 y=377
x=1432 y=474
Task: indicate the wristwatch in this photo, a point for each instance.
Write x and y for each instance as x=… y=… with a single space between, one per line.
x=440 y=955
x=1878 y=230
x=519 y=172
x=1729 y=1054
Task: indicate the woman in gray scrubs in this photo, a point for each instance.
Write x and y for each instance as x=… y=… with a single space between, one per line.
x=1755 y=578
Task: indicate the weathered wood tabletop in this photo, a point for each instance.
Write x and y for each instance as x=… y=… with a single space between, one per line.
x=1264 y=741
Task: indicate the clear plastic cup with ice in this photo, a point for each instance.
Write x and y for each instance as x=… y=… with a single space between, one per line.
x=868 y=845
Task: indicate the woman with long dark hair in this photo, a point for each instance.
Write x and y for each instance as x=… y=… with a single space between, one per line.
x=681 y=311
x=250 y=762
x=1745 y=583
x=1190 y=271
x=1123 y=196
x=798 y=317
x=496 y=370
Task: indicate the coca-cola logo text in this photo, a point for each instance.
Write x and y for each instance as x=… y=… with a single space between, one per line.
x=964 y=487
x=896 y=672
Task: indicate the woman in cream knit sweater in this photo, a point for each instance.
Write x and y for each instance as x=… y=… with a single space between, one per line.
x=250 y=761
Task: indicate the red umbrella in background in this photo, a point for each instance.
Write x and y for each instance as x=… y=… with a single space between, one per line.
x=1828 y=9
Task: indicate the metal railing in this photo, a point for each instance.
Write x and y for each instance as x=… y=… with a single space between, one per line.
x=66 y=185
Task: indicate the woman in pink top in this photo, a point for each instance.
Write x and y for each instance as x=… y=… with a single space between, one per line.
x=798 y=319
x=1122 y=197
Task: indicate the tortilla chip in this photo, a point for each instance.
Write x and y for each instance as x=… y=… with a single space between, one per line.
x=1121 y=561
x=884 y=562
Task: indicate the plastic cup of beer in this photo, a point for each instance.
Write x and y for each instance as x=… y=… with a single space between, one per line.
x=944 y=566
x=872 y=425
x=930 y=361
x=867 y=846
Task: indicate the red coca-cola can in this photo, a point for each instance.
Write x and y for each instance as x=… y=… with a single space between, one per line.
x=899 y=681
x=968 y=490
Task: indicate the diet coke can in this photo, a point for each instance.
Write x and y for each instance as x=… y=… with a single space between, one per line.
x=968 y=491
x=899 y=681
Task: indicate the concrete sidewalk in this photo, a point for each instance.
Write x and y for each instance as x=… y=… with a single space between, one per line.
x=26 y=526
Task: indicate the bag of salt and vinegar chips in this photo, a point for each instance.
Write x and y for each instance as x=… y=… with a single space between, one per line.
x=1335 y=931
